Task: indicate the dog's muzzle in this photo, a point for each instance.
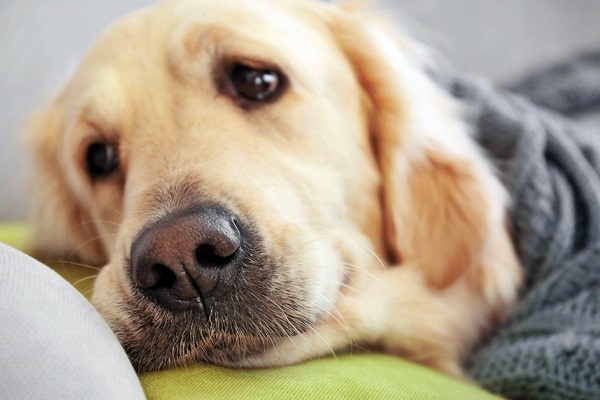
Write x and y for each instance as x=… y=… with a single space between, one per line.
x=188 y=260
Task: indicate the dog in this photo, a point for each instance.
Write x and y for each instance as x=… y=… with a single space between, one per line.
x=269 y=182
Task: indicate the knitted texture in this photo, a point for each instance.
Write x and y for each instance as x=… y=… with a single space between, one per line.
x=569 y=87
x=549 y=348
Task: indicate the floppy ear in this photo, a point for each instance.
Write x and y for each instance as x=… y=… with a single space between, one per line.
x=61 y=229
x=441 y=200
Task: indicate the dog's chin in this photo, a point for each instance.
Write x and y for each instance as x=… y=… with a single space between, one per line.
x=157 y=339
x=213 y=348
x=234 y=351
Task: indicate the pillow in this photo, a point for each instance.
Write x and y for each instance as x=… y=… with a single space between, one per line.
x=349 y=376
x=54 y=343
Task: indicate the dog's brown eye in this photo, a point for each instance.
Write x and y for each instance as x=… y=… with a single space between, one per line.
x=102 y=159
x=255 y=84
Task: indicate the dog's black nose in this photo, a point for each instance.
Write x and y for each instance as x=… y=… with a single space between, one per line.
x=187 y=260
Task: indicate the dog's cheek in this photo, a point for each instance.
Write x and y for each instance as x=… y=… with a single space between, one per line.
x=101 y=298
x=110 y=212
x=110 y=290
x=337 y=257
x=325 y=278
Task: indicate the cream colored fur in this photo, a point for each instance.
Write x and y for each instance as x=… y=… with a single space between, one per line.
x=361 y=178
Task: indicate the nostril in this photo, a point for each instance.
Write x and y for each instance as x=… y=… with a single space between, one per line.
x=220 y=243
x=166 y=277
x=206 y=256
x=155 y=277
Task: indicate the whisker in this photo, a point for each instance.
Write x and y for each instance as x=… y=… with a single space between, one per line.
x=371 y=252
x=341 y=322
x=90 y=240
x=80 y=281
x=331 y=350
x=283 y=313
x=370 y=275
x=356 y=248
x=76 y=264
x=351 y=288
x=117 y=211
x=83 y=223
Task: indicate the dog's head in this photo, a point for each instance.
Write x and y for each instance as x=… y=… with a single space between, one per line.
x=234 y=163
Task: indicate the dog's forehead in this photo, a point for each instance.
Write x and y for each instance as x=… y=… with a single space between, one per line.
x=171 y=54
x=272 y=14
x=278 y=31
x=288 y=33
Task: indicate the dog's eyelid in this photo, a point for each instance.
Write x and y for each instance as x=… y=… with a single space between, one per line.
x=249 y=61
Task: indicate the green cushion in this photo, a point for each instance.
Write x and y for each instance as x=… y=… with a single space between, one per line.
x=13 y=234
x=364 y=376
x=357 y=376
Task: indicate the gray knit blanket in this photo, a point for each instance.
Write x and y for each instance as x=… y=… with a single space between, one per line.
x=549 y=348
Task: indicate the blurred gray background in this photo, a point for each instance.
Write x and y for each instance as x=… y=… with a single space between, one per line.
x=41 y=41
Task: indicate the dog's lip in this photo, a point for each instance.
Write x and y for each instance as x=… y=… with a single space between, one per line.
x=178 y=305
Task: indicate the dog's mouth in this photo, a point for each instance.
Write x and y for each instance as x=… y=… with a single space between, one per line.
x=159 y=339
x=202 y=287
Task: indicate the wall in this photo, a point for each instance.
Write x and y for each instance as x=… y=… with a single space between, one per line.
x=41 y=41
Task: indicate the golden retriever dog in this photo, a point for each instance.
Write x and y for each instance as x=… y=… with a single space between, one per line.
x=270 y=181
